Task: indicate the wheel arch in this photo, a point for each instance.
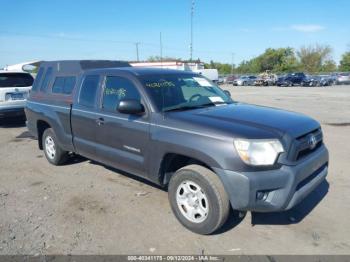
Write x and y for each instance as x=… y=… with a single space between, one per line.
x=41 y=126
x=171 y=162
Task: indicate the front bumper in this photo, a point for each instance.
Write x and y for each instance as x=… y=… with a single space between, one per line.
x=275 y=190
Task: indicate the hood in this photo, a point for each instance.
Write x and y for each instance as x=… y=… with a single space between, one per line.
x=249 y=121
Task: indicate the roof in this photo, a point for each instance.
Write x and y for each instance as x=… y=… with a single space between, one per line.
x=77 y=66
x=142 y=71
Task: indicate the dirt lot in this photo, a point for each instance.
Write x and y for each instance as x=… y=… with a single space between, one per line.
x=86 y=208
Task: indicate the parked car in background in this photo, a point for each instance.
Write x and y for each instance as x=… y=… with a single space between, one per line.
x=14 y=90
x=291 y=79
x=334 y=77
x=343 y=79
x=221 y=80
x=230 y=79
x=266 y=79
x=310 y=81
x=244 y=81
x=326 y=80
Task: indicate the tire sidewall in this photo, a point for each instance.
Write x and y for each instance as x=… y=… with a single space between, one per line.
x=211 y=222
x=49 y=132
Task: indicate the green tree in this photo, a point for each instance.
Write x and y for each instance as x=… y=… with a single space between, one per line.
x=345 y=62
x=157 y=58
x=275 y=60
x=313 y=58
x=329 y=66
x=223 y=68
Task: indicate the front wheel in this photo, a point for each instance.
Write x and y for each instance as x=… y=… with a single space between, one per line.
x=53 y=152
x=198 y=199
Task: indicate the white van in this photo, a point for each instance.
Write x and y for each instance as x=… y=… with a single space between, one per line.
x=14 y=90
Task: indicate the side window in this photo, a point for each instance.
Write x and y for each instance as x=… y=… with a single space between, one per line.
x=63 y=85
x=46 y=80
x=69 y=84
x=38 y=78
x=116 y=89
x=58 y=85
x=88 y=91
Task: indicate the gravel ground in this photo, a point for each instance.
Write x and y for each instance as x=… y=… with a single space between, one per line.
x=86 y=208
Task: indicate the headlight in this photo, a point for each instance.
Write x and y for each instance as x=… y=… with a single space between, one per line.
x=258 y=152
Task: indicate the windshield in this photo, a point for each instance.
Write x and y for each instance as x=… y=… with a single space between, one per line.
x=15 y=80
x=180 y=92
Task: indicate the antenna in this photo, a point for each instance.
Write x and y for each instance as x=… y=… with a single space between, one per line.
x=191 y=44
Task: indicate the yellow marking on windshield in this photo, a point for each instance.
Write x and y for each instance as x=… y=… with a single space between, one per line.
x=160 y=84
x=120 y=92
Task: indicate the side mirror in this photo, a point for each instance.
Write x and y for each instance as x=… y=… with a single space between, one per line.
x=130 y=106
x=227 y=93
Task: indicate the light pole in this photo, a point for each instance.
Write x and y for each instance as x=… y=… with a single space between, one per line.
x=137 y=51
x=161 y=48
x=191 y=44
x=232 y=59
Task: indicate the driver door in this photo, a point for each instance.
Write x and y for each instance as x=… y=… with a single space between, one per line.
x=123 y=138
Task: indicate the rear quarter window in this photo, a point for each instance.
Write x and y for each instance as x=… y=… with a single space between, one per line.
x=63 y=85
x=15 y=80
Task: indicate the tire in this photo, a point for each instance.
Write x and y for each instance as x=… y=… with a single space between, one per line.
x=53 y=152
x=212 y=202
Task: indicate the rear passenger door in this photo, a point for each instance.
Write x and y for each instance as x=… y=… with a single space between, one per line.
x=84 y=117
x=123 y=139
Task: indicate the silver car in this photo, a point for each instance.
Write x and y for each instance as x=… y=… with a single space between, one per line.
x=245 y=81
x=343 y=78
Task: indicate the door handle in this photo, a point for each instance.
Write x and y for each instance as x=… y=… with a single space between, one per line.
x=100 y=121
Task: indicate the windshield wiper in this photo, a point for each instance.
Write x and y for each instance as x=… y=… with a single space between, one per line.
x=183 y=108
x=215 y=103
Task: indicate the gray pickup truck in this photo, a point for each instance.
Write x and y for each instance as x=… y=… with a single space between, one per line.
x=178 y=130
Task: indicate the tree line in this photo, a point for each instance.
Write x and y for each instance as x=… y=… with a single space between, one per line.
x=310 y=59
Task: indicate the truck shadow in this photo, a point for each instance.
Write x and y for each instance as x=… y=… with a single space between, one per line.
x=13 y=122
x=128 y=175
x=294 y=215
x=74 y=159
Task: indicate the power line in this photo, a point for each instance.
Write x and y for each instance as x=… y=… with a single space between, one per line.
x=144 y=44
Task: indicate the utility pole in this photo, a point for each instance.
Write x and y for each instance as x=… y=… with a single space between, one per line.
x=191 y=44
x=137 y=51
x=232 y=65
x=161 y=48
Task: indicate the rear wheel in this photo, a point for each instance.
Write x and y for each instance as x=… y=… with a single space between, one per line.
x=198 y=199
x=53 y=152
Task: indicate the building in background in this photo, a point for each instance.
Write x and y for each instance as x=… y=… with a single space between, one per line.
x=197 y=67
